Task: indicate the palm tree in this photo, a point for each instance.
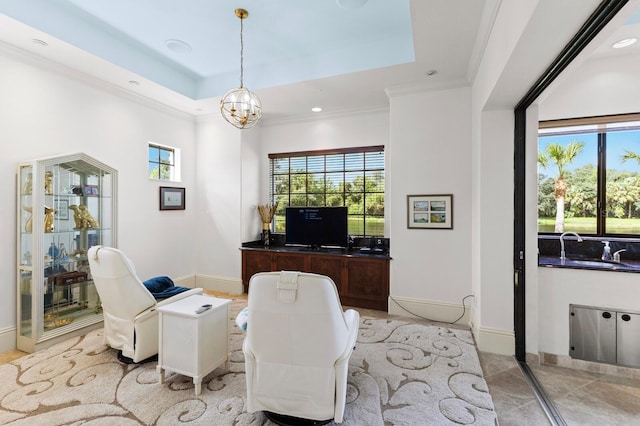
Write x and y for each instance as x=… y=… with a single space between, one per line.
x=629 y=155
x=561 y=156
x=632 y=182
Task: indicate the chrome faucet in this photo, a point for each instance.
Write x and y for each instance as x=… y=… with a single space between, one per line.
x=616 y=255
x=562 y=256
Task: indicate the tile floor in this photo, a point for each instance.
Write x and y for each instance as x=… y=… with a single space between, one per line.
x=583 y=398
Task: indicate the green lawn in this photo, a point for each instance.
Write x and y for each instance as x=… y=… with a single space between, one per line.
x=587 y=225
x=375 y=225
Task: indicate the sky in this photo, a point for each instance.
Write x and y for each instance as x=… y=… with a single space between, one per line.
x=617 y=143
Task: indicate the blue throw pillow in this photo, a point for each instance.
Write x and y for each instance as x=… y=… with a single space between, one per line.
x=163 y=287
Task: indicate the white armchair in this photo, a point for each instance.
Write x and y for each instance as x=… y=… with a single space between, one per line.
x=297 y=346
x=130 y=314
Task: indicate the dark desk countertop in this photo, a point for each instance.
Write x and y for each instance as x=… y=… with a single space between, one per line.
x=322 y=251
x=589 y=264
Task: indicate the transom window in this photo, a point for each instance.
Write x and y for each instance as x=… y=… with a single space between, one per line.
x=163 y=163
x=352 y=177
x=589 y=176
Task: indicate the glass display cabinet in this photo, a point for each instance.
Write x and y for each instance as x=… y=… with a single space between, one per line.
x=65 y=205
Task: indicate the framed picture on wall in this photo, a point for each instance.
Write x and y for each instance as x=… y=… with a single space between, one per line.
x=172 y=198
x=430 y=211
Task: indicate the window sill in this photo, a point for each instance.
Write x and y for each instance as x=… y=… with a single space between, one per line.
x=164 y=180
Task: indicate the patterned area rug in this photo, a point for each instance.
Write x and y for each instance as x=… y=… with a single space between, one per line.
x=401 y=373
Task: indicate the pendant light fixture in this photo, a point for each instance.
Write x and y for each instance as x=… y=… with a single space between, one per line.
x=241 y=107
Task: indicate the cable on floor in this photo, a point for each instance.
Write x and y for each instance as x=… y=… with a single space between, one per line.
x=464 y=310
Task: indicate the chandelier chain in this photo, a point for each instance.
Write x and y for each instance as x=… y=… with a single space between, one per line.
x=241 y=55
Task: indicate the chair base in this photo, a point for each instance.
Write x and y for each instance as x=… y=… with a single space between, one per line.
x=283 y=420
x=126 y=360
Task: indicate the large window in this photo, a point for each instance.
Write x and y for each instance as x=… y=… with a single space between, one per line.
x=589 y=176
x=345 y=177
x=163 y=163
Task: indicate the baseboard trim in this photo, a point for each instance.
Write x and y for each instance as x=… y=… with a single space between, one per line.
x=188 y=281
x=8 y=339
x=487 y=339
x=429 y=309
x=222 y=284
x=591 y=366
x=495 y=340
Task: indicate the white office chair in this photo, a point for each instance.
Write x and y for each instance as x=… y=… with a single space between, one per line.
x=297 y=346
x=130 y=314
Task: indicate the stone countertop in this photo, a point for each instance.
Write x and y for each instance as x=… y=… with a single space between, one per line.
x=589 y=264
x=356 y=252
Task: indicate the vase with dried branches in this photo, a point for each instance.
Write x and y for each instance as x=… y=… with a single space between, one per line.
x=266 y=212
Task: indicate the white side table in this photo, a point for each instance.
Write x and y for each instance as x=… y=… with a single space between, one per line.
x=190 y=343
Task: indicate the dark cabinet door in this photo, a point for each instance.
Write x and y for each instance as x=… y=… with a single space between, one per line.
x=290 y=262
x=367 y=282
x=331 y=266
x=252 y=263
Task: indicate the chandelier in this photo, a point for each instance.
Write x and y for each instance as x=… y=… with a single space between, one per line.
x=240 y=106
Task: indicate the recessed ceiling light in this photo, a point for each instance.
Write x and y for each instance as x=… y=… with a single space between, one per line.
x=316 y=109
x=432 y=72
x=624 y=43
x=39 y=42
x=177 y=46
x=134 y=82
x=351 y=4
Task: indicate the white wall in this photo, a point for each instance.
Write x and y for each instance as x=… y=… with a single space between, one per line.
x=252 y=185
x=218 y=234
x=44 y=113
x=494 y=94
x=496 y=221
x=430 y=153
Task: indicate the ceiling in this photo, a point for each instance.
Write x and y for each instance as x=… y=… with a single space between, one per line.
x=337 y=54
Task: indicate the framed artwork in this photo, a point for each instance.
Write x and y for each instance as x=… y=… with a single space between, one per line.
x=430 y=211
x=62 y=209
x=172 y=198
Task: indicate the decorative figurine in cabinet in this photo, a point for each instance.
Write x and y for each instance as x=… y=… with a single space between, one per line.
x=66 y=204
